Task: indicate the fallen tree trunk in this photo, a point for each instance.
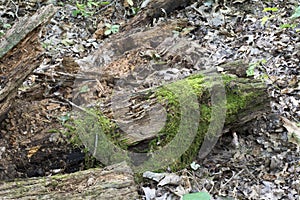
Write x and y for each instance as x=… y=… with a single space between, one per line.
x=142 y=111
x=20 y=53
x=172 y=121
x=144 y=100
x=154 y=9
x=112 y=182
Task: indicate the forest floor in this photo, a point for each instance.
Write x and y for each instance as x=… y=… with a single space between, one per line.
x=261 y=162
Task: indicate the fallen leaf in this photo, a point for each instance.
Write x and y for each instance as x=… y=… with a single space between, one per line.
x=170 y=179
x=154 y=176
x=149 y=193
x=33 y=150
x=197 y=196
x=195 y=165
x=293 y=130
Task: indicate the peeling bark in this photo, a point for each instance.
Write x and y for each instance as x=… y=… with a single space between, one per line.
x=112 y=182
x=20 y=53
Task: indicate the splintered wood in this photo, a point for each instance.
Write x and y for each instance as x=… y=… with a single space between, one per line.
x=20 y=53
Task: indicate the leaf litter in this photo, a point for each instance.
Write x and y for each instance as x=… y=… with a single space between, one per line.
x=261 y=162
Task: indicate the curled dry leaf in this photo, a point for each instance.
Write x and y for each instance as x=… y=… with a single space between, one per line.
x=293 y=130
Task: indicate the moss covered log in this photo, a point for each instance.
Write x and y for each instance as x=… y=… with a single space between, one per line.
x=185 y=126
x=113 y=182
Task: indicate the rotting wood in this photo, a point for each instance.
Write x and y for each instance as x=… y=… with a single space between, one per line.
x=154 y=9
x=54 y=186
x=137 y=113
x=113 y=182
x=20 y=53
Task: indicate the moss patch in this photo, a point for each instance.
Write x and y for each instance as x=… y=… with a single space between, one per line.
x=176 y=99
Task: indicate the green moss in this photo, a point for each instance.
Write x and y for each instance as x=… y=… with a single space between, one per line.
x=170 y=100
x=174 y=101
x=237 y=100
x=239 y=97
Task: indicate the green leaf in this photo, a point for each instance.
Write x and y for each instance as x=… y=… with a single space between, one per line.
x=296 y=13
x=115 y=28
x=75 y=13
x=104 y=3
x=264 y=20
x=67 y=42
x=6 y=26
x=53 y=131
x=288 y=26
x=250 y=70
x=87 y=13
x=91 y=3
x=134 y=10
x=65 y=118
x=107 y=32
x=270 y=9
x=108 y=25
x=262 y=61
x=197 y=196
x=84 y=89
x=80 y=6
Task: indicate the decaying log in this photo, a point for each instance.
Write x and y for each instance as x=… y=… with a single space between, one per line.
x=247 y=98
x=20 y=53
x=131 y=90
x=145 y=116
x=112 y=182
x=154 y=9
x=111 y=65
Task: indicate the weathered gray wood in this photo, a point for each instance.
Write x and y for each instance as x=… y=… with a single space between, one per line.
x=25 y=26
x=20 y=54
x=154 y=9
x=112 y=182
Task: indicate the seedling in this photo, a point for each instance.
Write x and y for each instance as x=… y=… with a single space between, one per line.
x=85 y=9
x=252 y=66
x=111 y=29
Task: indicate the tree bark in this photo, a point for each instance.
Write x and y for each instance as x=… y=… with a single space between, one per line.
x=20 y=53
x=246 y=99
x=154 y=9
x=112 y=182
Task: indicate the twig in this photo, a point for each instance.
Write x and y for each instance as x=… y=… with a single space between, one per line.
x=17 y=9
x=233 y=176
x=76 y=106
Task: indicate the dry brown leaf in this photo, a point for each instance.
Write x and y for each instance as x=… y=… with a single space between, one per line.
x=33 y=150
x=293 y=130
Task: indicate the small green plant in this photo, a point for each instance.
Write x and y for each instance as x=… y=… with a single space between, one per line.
x=197 y=196
x=86 y=9
x=1 y=33
x=266 y=18
x=252 y=66
x=270 y=9
x=292 y=25
x=111 y=29
x=288 y=26
x=6 y=27
x=64 y=118
x=132 y=10
x=296 y=13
